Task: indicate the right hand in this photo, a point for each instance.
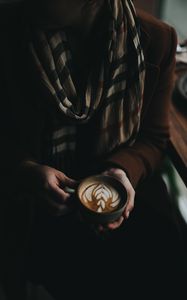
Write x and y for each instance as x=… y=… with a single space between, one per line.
x=47 y=184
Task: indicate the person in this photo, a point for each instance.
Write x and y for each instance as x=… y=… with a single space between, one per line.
x=91 y=83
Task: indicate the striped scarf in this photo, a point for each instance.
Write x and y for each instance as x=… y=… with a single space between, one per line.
x=115 y=93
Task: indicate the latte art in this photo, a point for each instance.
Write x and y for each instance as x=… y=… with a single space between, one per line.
x=100 y=197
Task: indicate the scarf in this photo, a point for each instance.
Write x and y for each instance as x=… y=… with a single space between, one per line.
x=114 y=90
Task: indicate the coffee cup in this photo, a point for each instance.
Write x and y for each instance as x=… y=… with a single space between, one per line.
x=101 y=198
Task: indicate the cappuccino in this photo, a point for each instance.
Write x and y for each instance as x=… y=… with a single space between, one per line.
x=100 y=197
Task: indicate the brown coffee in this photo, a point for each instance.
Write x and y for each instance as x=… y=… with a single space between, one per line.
x=100 y=197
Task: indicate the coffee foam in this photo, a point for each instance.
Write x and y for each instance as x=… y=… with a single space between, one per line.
x=100 y=197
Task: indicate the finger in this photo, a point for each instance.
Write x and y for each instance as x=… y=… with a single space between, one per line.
x=130 y=204
x=105 y=172
x=116 y=224
x=69 y=190
x=126 y=214
x=129 y=207
x=114 y=172
x=59 y=194
x=121 y=176
x=69 y=182
x=48 y=201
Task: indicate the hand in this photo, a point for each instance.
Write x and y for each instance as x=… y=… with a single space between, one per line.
x=121 y=176
x=48 y=184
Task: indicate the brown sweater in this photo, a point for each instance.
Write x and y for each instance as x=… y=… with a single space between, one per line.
x=159 y=43
x=26 y=115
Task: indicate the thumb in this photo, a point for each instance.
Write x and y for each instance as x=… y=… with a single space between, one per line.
x=66 y=181
x=70 y=182
x=60 y=194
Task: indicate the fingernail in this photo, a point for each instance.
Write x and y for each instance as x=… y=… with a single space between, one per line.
x=127 y=214
x=69 y=190
x=67 y=197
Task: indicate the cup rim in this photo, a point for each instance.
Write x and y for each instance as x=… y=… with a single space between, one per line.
x=116 y=182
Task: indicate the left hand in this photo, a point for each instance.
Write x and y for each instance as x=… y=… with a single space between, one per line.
x=121 y=176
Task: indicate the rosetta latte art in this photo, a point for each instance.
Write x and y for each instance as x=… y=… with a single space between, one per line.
x=100 y=197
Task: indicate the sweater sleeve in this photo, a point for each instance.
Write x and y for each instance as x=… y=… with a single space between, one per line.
x=141 y=159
